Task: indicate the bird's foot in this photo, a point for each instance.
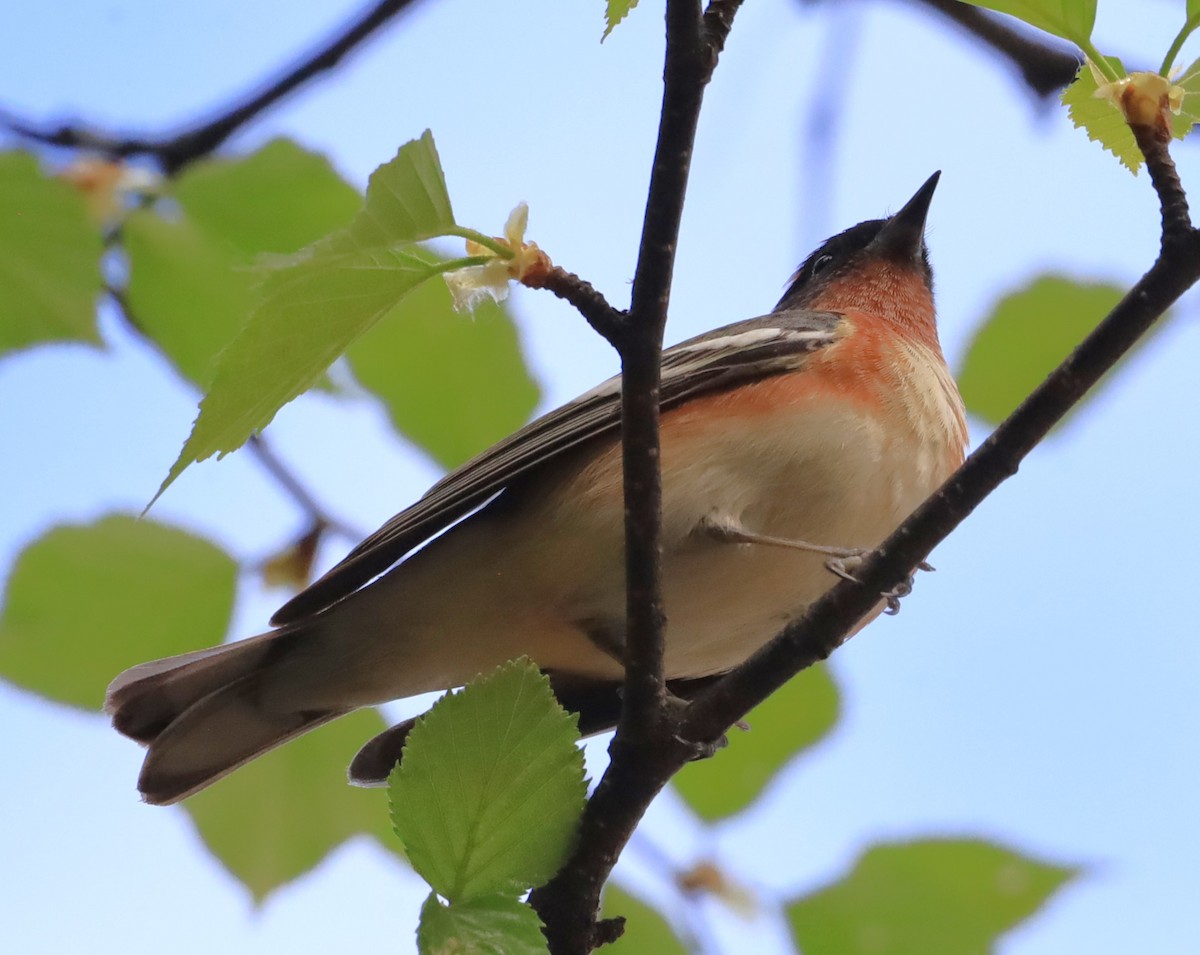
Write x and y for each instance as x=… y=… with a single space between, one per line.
x=844 y=567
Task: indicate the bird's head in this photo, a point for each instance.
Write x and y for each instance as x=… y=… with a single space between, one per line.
x=881 y=265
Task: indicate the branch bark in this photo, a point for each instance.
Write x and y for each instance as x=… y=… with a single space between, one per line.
x=1044 y=67
x=646 y=744
x=200 y=139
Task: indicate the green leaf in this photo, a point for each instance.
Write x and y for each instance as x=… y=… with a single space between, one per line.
x=1189 y=115
x=277 y=817
x=488 y=794
x=49 y=258
x=453 y=384
x=952 y=897
x=792 y=719
x=646 y=931
x=1028 y=334
x=1070 y=19
x=185 y=291
x=278 y=199
x=484 y=925
x=614 y=12
x=85 y=602
x=314 y=304
x=191 y=282
x=1102 y=121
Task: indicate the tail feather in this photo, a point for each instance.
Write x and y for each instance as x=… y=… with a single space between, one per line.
x=217 y=734
x=145 y=699
x=203 y=714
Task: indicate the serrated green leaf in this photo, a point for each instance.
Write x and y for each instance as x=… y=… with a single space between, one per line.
x=792 y=719
x=406 y=202
x=488 y=794
x=614 y=12
x=1097 y=117
x=1027 y=335
x=453 y=384
x=276 y=818
x=314 y=304
x=191 y=281
x=484 y=925
x=84 y=602
x=646 y=931
x=49 y=258
x=949 y=896
x=1189 y=81
x=1070 y=19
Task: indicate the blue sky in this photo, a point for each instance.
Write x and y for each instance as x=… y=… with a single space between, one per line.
x=1039 y=689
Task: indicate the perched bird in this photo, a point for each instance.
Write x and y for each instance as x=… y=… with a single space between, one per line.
x=809 y=432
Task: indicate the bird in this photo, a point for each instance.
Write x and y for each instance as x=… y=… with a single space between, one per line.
x=789 y=442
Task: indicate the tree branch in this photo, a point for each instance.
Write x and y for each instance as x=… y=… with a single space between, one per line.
x=175 y=152
x=646 y=745
x=1045 y=68
x=591 y=304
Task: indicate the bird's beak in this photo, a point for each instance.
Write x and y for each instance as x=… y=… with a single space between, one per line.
x=902 y=236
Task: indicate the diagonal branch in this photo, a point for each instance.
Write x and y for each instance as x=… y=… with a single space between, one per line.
x=1044 y=67
x=175 y=152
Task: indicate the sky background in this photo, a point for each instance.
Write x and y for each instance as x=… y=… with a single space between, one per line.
x=1039 y=689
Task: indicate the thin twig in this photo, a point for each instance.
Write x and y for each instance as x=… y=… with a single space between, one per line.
x=176 y=151
x=591 y=304
x=296 y=491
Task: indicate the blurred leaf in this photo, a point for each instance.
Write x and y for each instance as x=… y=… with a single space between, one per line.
x=278 y=199
x=646 y=931
x=1027 y=335
x=453 y=384
x=191 y=279
x=85 y=602
x=488 y=794
x=708 y=878
x=49 y=258
x=792 y=719
x=1103 y=122
x=614 y=12
x=185 y=291
x=314 y=304
x=292 y=566
x=483 y=925
x=944 y=896
x=277 y=817
x=1070 y=19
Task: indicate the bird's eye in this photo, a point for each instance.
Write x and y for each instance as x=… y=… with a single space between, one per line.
x=820 y=264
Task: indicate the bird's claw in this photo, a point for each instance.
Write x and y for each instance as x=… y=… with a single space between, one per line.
x=842 y=567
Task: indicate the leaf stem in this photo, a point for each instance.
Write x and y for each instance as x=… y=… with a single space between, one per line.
x=1102 y=63
x=453 y=265
x=499 y=246
x=1185 y=31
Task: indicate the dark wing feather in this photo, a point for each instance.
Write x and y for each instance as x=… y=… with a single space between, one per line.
x=748 y=350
